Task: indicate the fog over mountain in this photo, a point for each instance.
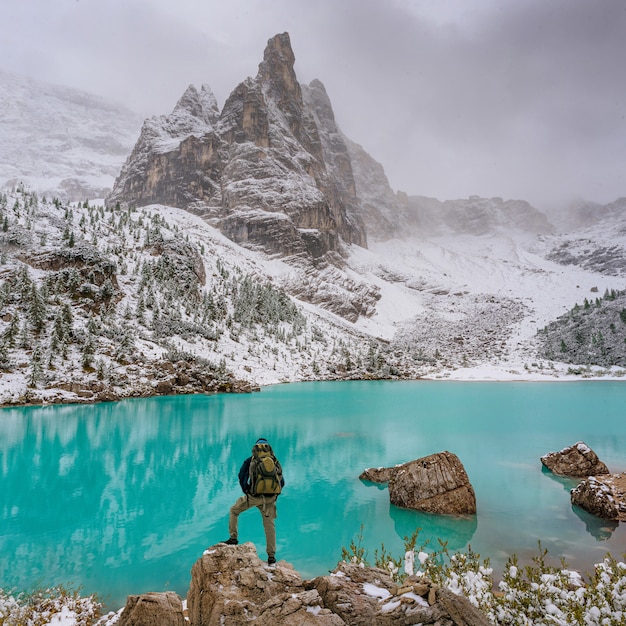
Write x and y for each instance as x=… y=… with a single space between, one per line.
x=59 y=140
x=258 y=243
x=519 y=100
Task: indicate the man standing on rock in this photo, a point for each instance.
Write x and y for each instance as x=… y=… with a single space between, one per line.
x=261 y=480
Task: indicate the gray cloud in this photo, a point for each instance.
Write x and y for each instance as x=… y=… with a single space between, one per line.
x=519 y=99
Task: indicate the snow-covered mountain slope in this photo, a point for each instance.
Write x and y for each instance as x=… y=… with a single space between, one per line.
x=99 y=304
x=60 y=141
x=598 y=245
x=102 y=303
x=468 y=300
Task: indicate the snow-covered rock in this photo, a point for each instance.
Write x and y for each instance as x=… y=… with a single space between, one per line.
x=230 y=586
x=576 y=460
x=603 y=496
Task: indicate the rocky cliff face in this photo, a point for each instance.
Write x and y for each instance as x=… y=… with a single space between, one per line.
x=271 y=170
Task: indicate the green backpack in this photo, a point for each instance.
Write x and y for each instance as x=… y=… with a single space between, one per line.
x=265 y=471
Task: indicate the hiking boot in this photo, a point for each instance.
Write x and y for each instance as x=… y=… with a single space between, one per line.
x=231 y=541
x=271 y=559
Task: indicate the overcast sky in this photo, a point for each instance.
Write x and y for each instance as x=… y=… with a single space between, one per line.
x=514 y=98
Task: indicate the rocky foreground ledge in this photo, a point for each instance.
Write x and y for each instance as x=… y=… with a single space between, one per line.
x=231 y=586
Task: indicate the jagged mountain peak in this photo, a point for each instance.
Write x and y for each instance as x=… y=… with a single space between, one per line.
x=280 y=86
x=261 y=172
x=278 y=62
x=201 y=104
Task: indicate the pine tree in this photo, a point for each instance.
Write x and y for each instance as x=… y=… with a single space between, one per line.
x=24 y=283
x=68 y=318
x=11 y=331
x=37 y=310
x=5 y=361
x=124 y=344
x=24 y=338
x=87 y=352
x=5 y=294
x=60 y=334
x=140 y=310
x=106 y=291
x=36 y=369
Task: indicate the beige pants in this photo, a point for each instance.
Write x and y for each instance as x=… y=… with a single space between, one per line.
x=267 y=508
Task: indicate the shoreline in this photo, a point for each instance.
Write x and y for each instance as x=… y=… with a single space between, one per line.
x=509 y=374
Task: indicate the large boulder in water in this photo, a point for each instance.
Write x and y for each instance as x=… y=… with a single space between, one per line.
x=434 y=484
x=576 y=460
x=603 y=496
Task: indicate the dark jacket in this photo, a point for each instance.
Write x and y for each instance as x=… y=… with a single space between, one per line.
x=244 y=477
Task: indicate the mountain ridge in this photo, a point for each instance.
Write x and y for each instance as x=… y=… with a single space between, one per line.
x=454 y=289
x=257 y=171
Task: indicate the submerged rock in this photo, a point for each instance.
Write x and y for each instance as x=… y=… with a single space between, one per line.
x=435 y=484
x=603 y=496
x=576 y=460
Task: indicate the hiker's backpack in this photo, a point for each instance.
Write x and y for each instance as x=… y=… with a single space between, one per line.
x=265 y=471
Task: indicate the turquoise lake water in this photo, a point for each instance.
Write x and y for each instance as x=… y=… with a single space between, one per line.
x=123 y=497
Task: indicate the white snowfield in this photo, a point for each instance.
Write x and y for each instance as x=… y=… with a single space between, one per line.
x=443 y=284
x=495 y=288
